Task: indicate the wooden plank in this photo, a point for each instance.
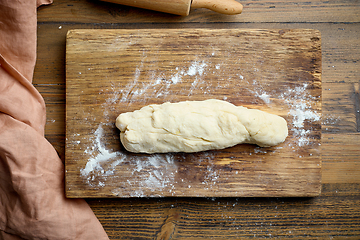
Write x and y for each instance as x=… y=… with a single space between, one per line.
x=341 y=158
x=113 y=71
x=303 y=11
x=339 y=114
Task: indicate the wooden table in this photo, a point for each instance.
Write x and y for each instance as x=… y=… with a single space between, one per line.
x=336 y=213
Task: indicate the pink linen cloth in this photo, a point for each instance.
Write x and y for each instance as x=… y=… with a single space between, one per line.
x=32 y=192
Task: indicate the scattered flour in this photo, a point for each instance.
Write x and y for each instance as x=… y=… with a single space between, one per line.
x=298 y=100
x=330 y=120
x=155 y=172
x=301 y=113
x=177 y=77
x=196 y=68
x=160 y=83
x=103 y=155
x=258 y=91
x=265 y=97
x=150 y=174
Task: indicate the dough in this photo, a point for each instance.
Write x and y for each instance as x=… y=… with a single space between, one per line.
x=194 y=126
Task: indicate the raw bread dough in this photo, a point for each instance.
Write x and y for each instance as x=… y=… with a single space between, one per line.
x=194 y=126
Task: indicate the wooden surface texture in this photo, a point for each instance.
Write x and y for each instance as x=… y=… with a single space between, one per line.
x=109 y=72
x=334 y=214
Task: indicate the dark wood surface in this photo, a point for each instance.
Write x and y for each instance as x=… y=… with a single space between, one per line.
x=334 y=214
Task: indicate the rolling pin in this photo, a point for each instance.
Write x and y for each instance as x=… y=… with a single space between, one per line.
x=182 y=7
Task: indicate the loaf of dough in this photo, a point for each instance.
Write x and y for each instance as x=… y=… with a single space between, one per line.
x=194 y=126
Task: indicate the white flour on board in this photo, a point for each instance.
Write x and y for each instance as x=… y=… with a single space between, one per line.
x=161 y=175
x=99 y=154
x=159 y=84
x=258 y=91
x=298 y=100
x=153 y=173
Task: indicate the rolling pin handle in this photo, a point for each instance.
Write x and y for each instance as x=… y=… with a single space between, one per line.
x=229 y=7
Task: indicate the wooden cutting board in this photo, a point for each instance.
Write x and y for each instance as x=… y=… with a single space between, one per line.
x=109 y=72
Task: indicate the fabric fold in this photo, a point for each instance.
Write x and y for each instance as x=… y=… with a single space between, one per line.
x=32 y=191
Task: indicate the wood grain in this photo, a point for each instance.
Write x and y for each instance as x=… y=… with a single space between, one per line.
x=113 y=71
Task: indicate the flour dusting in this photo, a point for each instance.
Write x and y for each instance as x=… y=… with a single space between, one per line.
x=265 y=97
x=160 y=83
x=301 y=111
x=149 y=174
x=100 y=155
x=258 y=91
x=155 y=172
x=196 y=68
